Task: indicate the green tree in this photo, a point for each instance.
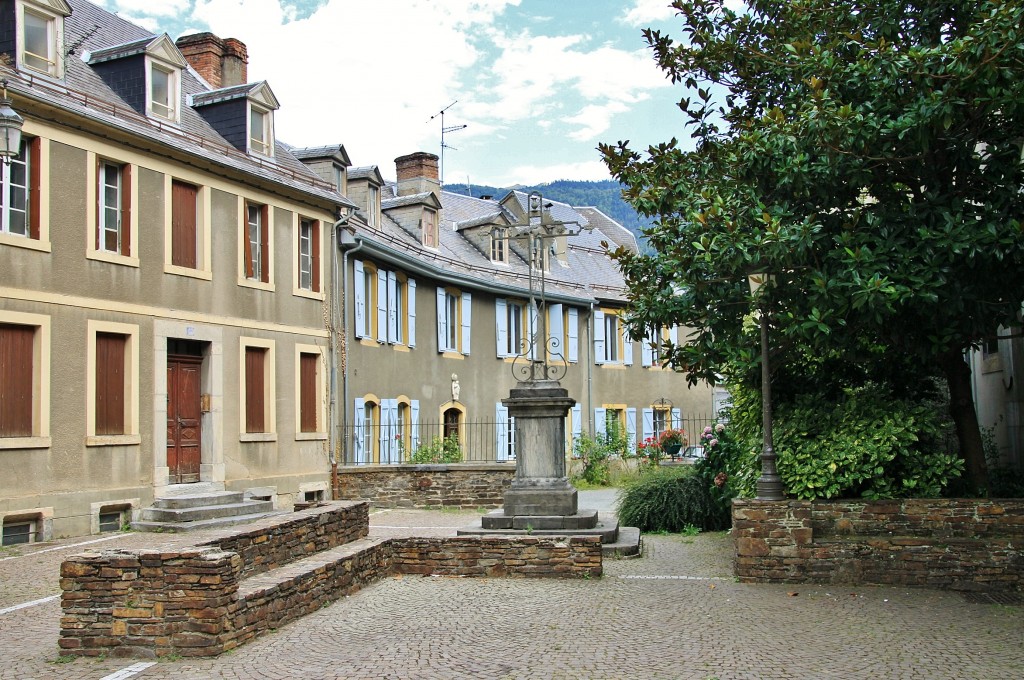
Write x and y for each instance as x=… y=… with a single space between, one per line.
x=866 y=154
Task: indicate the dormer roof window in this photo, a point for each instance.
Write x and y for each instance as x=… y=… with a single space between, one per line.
x=41 y=35
x=146 y=73
x=243 y=115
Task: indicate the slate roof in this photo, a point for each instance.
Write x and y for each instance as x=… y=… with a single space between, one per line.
x=91 y=29
x=617 y=233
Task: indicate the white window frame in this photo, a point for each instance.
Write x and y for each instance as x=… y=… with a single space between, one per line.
x=171 y=109
x=54 y=65
x=261 y=141
x=373 y=205
x=504 y=434
x=23 y=161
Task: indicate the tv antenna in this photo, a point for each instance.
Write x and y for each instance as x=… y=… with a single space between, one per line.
x=444 y=131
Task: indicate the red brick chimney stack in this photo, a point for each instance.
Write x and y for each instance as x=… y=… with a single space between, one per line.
x=221 y=63
x=417 y=174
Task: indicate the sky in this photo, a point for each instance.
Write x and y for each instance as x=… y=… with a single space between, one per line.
x=536 y=83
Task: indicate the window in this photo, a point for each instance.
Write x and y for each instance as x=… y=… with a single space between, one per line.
x=309 y=255
x=19 y=533
x=17 y=380
x=256 y=243
x=617 y=422
x=431 y=238
x=505 y=434
x=499 y=247
x=611 y=345
x=258 y=410
x=113 y=208
x=454 y=310
x=563 y=333
x=18 y=193
x=653 y=348
x=366 y=420
x=112 y=384
x=261 y=136
x=42 y=37
x=24 y=380
x=373 y=205
x=184 y=224
x=339 y=179
x=452 y=420
x=385 y=305
x=513 y=332
x=111 y=520
x=164 y=89
x=657 y=419
x=310 y=399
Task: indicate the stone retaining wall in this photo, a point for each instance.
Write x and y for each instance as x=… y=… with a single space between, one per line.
x=202 y=601
x=938 y=543
x=462 y=485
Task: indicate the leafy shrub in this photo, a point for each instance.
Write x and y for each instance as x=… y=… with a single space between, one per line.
x=713 y=467
x=669 y=499
x=866 y=443
x=439 y=450
x=1003 y=481
x=593 y=454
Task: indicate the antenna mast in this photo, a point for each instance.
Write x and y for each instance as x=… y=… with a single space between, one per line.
x=445 y=130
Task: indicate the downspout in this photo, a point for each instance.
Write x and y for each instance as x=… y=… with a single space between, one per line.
x=590 y=369
x=348 y=244
x=339 y=236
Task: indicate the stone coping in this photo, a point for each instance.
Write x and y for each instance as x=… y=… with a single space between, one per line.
x=425 y=467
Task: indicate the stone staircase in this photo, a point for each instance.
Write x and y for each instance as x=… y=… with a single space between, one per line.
x=203 y=509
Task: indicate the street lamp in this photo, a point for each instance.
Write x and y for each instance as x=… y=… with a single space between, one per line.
x=769 y=484
x=10 y=128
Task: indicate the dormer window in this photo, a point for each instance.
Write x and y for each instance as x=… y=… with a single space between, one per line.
x=373 y=205
x=499 y=247
x=42 y=35
x=261 y=136
x=163 y=91
x=430 y=236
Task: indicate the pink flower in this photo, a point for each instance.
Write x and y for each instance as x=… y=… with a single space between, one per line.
x=719 y=428
x=707 y=430
x=713 y=443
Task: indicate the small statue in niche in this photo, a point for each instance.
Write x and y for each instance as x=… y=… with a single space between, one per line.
x=455 y=387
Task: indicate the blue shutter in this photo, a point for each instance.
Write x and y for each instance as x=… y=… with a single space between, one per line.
x=627 y=345
x=631 y=426
x=501 y=432
x=382 y=306
x=501 y=326
x=673 y=334
x=360 y=296
x=599 y=338
x=394 y=293
x=411 y=288
x=648 y=424
x=414 y=425
x=677 y=418
x=556 y=333
x=442 y=321
x=600 y=425
x=647 y=350
x=531 y=329
x=577 y=421
x=358 y=432
x=574 y=335
x=467 y=311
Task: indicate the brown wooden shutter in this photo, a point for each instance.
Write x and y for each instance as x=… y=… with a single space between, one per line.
x=265 y=244
x=314 y=244
x=126 y=209
x=16 y=370
x=254 y=386
x=183 y=224
x=110 y=348
x=308 y=392
x=34 y=193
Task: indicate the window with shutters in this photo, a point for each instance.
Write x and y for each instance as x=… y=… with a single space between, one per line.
x=21 y=203
x=513 y=327
x=308 y=268
x=187 y=240
x=310 y=398
x=385 y=306
x=24 y=380
x=41 y=37
x=256 y=243
x=612 y=346
x=454 y=322
x=111 y=223
x=257 y=390
x=112 y=357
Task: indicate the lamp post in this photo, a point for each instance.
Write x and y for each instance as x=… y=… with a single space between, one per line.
x=10 y=128
x=769 y=484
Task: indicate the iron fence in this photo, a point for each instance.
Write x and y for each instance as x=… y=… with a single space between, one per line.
x=481 y=441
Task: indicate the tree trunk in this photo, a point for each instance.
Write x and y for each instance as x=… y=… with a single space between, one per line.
x=961 y=408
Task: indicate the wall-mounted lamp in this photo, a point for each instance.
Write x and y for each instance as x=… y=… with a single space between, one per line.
x=10 y=128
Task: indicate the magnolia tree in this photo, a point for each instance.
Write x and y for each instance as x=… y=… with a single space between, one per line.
x=867 y=156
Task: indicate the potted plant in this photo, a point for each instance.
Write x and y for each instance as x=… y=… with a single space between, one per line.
x=671 y=441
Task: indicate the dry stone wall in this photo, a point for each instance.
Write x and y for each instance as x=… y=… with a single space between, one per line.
x=462 y=485
x=939 y=543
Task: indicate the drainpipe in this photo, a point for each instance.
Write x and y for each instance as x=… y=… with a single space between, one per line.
x=590 y=369
x=340 y=234
x=349 y=244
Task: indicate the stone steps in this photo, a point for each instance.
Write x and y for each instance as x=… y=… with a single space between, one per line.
x=179 y=512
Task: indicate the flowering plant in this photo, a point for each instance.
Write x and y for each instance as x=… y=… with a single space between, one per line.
x=649 y=451
x=672 y=437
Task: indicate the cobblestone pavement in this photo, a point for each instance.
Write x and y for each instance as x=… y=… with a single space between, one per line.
x=674 y=613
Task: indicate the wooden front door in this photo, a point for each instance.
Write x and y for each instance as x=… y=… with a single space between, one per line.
x=184 y=424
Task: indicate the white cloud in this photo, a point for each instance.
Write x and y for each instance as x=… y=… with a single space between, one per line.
x=593 y=120
x=150 y=8
x=644 y=12
x=538 y=174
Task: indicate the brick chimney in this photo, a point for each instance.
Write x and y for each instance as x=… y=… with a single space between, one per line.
x=417 y=174
x=222 y=63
